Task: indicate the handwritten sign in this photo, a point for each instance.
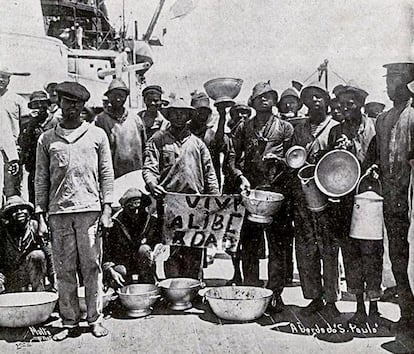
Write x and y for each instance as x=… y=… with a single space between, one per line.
x=203 y=221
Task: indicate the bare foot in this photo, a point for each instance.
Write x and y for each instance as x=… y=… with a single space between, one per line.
x=67 y=333
x=98 y=330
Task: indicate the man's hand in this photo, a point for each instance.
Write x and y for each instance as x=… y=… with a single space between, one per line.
x=117 y=277
x=244 y=183
x=343 y=143
x=157 y=190
x=14 y=167
x=373 y=170
x=221 y=106
x=43 y=229
x=106 y=217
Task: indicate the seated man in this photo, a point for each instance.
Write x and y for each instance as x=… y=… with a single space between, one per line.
x=25 y=258
x=127 y=248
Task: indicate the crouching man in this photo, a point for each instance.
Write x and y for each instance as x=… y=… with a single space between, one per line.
x=74 y=186
x=25 y=258
x=128 y=245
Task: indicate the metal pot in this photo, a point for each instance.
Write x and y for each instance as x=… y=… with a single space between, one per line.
x=223 y=89
x=138 y=299
x=26 y=308
x=262 y=205
x=238 y=303
x=337 y=173
x=179 y=292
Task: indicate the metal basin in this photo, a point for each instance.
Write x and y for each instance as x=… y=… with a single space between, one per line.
x=337 y=173
x=26 y=308
x=223 y=89
x=261 y=205
x=238 y=303
x=179 y=292
x=138 y=299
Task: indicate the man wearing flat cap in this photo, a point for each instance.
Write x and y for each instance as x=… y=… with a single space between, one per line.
x=125 y=131
x=152 y=118
x=394 y=148
x=177 y=161
x=255 y=140
x=315 y=241
x=74 y=187
x=41 y=120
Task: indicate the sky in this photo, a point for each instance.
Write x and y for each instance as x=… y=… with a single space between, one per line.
x=275 y=40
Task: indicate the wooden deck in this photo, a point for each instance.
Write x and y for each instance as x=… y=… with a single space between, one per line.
x=198 y=330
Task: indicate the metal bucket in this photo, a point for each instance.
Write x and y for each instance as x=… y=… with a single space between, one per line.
x=316 y=201
x=367 y=215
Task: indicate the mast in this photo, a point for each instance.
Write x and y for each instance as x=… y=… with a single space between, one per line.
x=153 y=22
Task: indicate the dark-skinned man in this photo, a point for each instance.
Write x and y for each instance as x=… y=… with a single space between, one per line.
x=314 y=234
x=254 y=140
x=74 y=186
x=129 y=243
x=151 y=117
x=363 y=255
x=125 y=131
x=177 y=161
x=394 y=149
x=25 y=256
x=13 y=108
x=40 y=121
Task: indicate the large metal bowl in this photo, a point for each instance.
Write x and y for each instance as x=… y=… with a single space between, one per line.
x=138 y=299
x=238 y=303
x=26 y=308
x=179 y=292
x=223 y=89
x=261 y=205
x=337 y=173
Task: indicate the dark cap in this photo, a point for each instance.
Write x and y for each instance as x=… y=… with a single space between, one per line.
x=152 y=89
x=260 y=89
x=38 y=96
x=72 y=91
x=372 y=109
x=117 y=84
x=200 y=99
x=312 y=88
x=135 y=193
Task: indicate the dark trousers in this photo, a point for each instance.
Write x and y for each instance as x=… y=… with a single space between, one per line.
x=364 y=267
x=315 y=241
x=30 y=186
x=12 y=184
x=397 y=228
x=184 y=262
x=251 y=238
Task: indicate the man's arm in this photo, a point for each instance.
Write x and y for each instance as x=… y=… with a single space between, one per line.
x=106 y=180
x=151 y=169
x=238 y=143
x=106 y=171
x=42 y=176
x=211 y=185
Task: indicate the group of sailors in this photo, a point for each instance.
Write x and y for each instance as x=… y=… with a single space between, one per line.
x=73 y=156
